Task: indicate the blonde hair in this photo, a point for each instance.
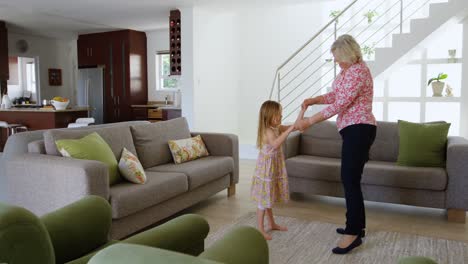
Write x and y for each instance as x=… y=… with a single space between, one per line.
x=268 y=111
x=346 y=49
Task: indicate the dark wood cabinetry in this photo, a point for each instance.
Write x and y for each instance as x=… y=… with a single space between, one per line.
x=155 y=114
x=175 y=42
x=4 y=73
x=123 y=54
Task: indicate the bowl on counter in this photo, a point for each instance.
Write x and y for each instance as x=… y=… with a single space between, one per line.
x=59 y=105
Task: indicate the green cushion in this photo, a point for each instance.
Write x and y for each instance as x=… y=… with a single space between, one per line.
x=416 y=260
x=422 y=145
x=91 y=147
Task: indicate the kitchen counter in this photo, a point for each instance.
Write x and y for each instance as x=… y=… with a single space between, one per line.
x=31 y=109
x=37 y=118
x=158 y=106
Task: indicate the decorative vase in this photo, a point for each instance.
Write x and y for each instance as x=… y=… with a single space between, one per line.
x=437 y=88
x=6 y=102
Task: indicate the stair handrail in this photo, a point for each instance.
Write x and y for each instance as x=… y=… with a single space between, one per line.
x=307 y=43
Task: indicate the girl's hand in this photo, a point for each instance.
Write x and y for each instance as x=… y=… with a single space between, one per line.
x=301 y=124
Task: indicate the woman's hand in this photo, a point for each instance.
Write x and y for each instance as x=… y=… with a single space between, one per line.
x=306 y=103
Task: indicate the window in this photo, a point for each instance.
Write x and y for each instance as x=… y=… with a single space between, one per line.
x=164 y=80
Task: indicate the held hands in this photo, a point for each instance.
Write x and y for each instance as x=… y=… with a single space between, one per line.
x=301 y=124
x=306 y=104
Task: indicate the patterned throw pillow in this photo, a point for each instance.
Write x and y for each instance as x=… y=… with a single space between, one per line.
x=184 y=150
x=130 y=167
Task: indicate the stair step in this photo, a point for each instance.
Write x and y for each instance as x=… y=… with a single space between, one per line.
x=439 y=8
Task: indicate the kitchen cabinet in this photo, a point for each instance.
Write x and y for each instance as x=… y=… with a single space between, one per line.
x=4 y=73
x=123 y=55
x=154 y=114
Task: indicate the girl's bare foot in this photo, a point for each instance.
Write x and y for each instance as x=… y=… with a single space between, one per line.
x=265 y=235
x=278 y=227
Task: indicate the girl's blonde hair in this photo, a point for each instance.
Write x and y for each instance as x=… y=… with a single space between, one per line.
x=268 y=111
x=346 y=49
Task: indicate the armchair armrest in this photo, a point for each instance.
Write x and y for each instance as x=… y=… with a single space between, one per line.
x=125 y=253
x=291 y=145
x=457 y=170
x=79 y=228
x=184 y=234
x=220 y=144
x=247 y=240
x=43 y=183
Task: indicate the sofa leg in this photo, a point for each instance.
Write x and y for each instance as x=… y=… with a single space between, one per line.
x=456 y=215
x=231 y=190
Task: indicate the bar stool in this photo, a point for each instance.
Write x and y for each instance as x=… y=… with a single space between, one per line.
x=82 y=122
x=13 y=128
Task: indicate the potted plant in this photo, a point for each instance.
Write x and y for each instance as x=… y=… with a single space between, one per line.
x=368 y=51
x=370 y=15
x=437 y=85
x=335 y=13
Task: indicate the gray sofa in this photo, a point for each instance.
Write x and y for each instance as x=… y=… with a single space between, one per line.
x=313 y=165
x=36 y=177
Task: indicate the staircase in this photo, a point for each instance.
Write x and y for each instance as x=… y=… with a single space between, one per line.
x=310 y=70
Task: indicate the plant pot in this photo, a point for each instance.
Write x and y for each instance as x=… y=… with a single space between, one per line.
x=437 y=88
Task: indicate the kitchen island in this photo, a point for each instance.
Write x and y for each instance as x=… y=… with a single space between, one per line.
x=40 y=118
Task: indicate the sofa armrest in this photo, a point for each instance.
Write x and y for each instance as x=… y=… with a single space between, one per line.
x=184 y=234
x=220 y=144
x=457 y=170
x=291 y=145
x=125 y=253
x=43 y=183
x=245 y=239
x=79 y=228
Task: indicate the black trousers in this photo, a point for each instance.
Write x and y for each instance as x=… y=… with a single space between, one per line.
x=357 y=140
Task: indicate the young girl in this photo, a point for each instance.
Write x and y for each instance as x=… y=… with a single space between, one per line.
x=270 y=180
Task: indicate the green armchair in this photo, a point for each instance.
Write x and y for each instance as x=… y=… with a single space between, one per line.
x=240 y=246
x=75 y=233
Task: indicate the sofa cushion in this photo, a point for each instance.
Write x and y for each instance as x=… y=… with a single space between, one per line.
x=127 y=198
x=385 y=147
x=130 y=168
x=422 y=145
x=188 y=149
x=380 y=173
x=321 y=140
x=389 y=174
x=117 y=136
x=200 y=171
x=151 y=140
x=91 y=147
x=314 y=167
x=37 y=146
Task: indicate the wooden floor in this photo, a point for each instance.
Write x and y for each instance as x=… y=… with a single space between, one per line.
x=220 y=210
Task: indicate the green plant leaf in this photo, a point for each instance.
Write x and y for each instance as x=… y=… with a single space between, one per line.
x=442 y=76
x=431 y=80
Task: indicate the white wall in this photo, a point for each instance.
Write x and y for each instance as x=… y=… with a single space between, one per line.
x=216 y=71
x=52 y=53
x=464 y=88
x=237 y=52
x=268 y=36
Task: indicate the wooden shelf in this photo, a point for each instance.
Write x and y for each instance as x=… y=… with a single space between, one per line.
x=436 y=61
x=175 y=43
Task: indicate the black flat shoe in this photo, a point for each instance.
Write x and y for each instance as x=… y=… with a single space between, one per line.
x=341 y=231
x=340 y=251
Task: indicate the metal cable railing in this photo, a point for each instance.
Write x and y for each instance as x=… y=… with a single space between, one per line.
x=308 y=71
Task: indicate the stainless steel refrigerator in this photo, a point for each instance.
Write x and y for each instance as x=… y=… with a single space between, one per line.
x=91 y=92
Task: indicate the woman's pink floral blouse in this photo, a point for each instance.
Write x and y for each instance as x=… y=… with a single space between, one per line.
x=351 y=97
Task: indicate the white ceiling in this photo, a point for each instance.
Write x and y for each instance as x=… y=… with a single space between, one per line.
x=67 y=18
